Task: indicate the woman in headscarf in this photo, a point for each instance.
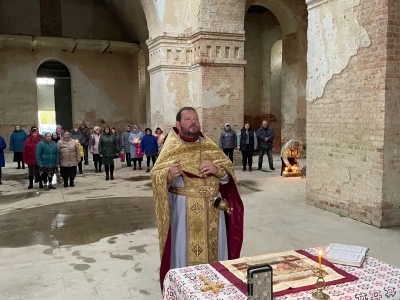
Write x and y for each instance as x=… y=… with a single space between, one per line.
x=149 y=146
x=17 y=140
x=47 y=159
x=29 y=154
x=94 y=149
x=59 y=132
x=108 y=150
x=70 y=157
x=55 y=138
x=134 y=139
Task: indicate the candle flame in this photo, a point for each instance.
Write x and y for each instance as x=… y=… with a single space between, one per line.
x=320 y=252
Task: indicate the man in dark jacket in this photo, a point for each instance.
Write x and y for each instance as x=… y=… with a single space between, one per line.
x=228 y=141
x=126 y=146
x=86 y=137
x=265 y=136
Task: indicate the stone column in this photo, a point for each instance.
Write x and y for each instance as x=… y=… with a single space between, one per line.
x=219 y=57
x=172 y=79
x=205 y=71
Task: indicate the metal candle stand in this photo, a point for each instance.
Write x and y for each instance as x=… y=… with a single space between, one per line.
x=320 y=286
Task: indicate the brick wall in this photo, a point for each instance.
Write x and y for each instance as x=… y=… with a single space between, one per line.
x=391 y=170
x=345 y=129
x=215 y=116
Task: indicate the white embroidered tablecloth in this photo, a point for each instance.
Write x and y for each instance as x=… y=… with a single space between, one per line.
x=377 y=280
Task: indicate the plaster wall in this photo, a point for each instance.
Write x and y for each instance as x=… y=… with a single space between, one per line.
x=346 y=124
x=104 y=87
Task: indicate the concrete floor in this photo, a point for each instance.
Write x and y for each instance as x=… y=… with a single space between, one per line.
x=99 y=240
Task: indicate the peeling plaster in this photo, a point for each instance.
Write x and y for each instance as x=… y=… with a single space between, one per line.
x=220 y=96
x=334 y=36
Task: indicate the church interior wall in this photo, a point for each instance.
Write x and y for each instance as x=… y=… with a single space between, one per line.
x=104 y=87
x=348 y=159
x=391 y=136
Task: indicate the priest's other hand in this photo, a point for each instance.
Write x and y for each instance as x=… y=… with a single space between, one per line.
x=208 y=167
x=175 y=170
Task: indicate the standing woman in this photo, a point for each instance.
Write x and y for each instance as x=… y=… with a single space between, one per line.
x=47 y=159
x=108 y=150
x=17 y=140
x=160 y=138
x=117 y=136
x=29 y=153
x=134 y=139
x=149 y=146
x=3 y=146
x=70 y=157
x=247 y=144
x=94 y=149
x=59 y=132
x=55 y=138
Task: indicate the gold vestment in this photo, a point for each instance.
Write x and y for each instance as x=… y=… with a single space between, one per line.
x=200 y=191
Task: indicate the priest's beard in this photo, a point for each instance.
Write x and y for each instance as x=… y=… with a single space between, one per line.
x=193 y=132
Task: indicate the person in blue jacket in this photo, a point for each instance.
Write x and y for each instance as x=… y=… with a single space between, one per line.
x=17 y=140
x=149 y=147
x=47 y=159
x=3 y=146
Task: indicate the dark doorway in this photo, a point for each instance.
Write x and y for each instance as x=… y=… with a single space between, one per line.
x=62 y=91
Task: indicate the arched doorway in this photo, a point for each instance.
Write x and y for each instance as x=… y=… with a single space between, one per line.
x=54 y=96
x=263 y=70
x=276 y=70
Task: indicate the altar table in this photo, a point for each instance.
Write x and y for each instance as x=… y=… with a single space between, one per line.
x=377 y=280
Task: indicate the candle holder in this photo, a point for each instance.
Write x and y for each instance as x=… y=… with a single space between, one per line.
x=320 y=286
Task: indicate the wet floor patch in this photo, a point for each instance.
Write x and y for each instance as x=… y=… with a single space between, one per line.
x=76 y=223
x=139 y=249
x=16 y=197
x=22 y=178
x=247 y=187
x=121 y=256
x=81 y=267
x=137 y=178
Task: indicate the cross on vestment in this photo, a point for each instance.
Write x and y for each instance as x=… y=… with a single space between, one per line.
x=209 y=286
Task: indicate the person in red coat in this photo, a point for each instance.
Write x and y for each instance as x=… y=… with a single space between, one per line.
x=29 y=154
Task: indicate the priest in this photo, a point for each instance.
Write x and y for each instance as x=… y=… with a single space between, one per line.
x=191 y=172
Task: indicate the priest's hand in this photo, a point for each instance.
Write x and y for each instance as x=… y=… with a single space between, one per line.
x=175 y=170
x=208 y=167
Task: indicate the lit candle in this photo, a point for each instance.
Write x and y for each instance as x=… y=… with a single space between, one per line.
x=320 y=259
x=286 y=168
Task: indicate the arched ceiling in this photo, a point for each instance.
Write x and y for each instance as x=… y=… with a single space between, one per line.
x=131 y=17
x=116 y=20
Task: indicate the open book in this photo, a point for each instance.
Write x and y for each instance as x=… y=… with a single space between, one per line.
x=349 y=255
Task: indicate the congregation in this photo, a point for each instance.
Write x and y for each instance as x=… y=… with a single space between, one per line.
x=65 y=152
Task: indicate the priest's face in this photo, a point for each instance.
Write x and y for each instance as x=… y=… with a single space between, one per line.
x=189 y=125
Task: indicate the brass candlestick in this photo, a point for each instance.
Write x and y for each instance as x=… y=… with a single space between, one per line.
x=320 y=286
